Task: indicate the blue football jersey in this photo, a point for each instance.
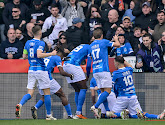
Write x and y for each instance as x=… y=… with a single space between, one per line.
x=78 y=54
x=31 y=47
x=124 y=49
x=99 y=53
x=123 y=82
x=93 y=85
x=51 y=62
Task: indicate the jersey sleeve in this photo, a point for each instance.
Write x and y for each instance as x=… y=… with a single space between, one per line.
x=114 y=77
x=41 y=46
x=25 y=50
x=58 y=62
x=130 y=69
x=108 y=43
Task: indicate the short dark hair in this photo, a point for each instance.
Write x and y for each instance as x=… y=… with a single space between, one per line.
x=97 y=33
x=160 y=11
x=55 y=6
x=119 y=59
x=36 y=29
x=137 y=28
x=148 y=35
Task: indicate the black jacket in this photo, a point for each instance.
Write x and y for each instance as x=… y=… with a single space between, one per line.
x=41 y=14
x=145 y=21
x=74 y=36
x=15 y=48
x=7 y=12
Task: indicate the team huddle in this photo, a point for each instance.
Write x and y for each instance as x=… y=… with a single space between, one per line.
x=116 y=94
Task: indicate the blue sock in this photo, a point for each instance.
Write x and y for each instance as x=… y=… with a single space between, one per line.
x=133 y=116
x=47 y=101
x=39 y=104
x=68 y=109
x=118 y=115
x=24 y=99
x=153 y=116
x=106 y=105
x=102 y=98
x=81 y=99
x=76 y=98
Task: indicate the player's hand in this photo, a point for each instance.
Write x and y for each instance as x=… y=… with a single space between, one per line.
x=139 y=64
x=115 y=38
x=71 y=76
x=54 y=52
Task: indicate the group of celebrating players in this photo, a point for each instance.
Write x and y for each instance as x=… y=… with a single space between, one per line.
x=120 y=84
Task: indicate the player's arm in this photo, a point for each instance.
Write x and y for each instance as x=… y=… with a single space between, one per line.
x=127 y=64
x=63 y=73
x=40 y=53
x=116 y=43
x=25 y=54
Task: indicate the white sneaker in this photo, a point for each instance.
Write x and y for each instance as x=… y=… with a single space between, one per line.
x=162 y=115
x=140 y=114
x=96 y=112
x=50 y=117
x=124 y=114
x=110 y=114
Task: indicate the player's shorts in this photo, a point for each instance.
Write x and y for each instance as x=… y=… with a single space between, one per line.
x=41 y=76
x=103 y=79
x=54 y=87
x=127 y=103
x=76 y=71
x=111 y=102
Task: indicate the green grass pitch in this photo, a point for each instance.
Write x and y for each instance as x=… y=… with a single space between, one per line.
x=82 y=122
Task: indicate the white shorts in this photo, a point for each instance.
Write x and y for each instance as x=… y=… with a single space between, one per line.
x=76 y=71
x=54 y=87
x=41 y=76
x=103 y=79
x=111 y=101
x=127 y=103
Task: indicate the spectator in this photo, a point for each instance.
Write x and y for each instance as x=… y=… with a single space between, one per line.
x=71 y=9
x=161 y=42
x=113 y=22
x=125 y=48
x=62 y=43
x=58 y=20
x=147 y=17
x=12 y=48
x=119 y=30
x=2 y=25
x=150 y=56
x=135 y=40
x=105 y=8
x=38 y=13
x=161 y=6
x=29 y=33
x=128 y=12
x=98 y=2
x=16 y=21
x=74 y=34
x=159 y=28
x=7 y=12
x=93 y=18
x=128 y=28
x=137 y=11
x=20 y=36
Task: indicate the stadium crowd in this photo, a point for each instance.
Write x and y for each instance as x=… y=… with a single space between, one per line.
x=139 y=25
